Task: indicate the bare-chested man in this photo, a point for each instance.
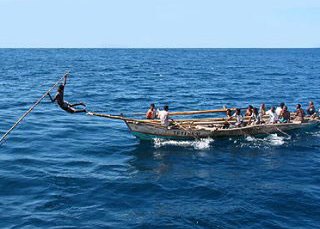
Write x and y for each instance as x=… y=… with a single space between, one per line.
x=59 y=98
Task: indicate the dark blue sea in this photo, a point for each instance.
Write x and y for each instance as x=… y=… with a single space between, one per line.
x=60 y=170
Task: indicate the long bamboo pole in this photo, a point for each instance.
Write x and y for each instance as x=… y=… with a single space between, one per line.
x=155 y=121
x=120 y=118
x=30 y=109
x=176 y=113
x=199 y=112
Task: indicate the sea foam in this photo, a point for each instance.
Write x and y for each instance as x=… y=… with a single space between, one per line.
x=200 y=144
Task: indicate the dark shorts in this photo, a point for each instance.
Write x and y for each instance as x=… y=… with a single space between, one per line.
x=66 y=106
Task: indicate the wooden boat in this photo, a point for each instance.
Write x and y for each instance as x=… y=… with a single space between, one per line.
x=205 y=127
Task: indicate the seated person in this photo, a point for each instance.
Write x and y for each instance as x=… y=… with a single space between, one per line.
x=239 y=118
x=311 y=110
x=151 y=113
x=249 y=111
x=299 y=115
x=226 y=124
x=273 y=117
x=262 y=110
x=279 y=109
x=255 y=118
x=284 y=115
x=229 y=114
x=164 y=116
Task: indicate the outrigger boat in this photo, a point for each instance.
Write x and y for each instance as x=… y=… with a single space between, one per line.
x=205 y=127
x=186 y=128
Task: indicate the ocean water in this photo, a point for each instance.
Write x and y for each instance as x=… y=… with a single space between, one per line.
x=60 y=170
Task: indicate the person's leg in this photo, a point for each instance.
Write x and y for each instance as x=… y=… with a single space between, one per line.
x=72 y=110
x=77 y=104
x=80 y=111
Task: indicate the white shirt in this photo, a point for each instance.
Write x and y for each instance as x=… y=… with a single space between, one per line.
x=256 y=118
x=164 y=117
x=273 y=116
x=238 y=117
x=278 y=111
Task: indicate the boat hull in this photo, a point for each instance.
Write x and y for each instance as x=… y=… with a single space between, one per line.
x=149 y=131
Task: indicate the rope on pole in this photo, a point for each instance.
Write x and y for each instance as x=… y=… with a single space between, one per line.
x=30 y=109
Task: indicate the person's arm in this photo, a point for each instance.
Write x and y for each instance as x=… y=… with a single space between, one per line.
x=65 y=80
x=52 y=100
x=148 y=114
x=281 y=114
x=154 y=114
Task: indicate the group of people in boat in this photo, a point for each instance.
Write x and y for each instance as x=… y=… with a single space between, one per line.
x=252 y=116
x=274 y=115
x=163 y=115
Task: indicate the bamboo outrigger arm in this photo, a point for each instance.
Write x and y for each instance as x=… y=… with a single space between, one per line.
x=173 y=113
x=176 y=113
x=106 y=115
x=200 y=112
x=119 y=117
x=157 y=121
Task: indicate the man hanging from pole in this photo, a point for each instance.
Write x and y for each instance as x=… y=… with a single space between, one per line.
x=59 y=98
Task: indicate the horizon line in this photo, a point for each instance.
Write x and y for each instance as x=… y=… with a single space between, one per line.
x=159 y=47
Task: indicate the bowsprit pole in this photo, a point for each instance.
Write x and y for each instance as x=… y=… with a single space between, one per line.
x=30 y=109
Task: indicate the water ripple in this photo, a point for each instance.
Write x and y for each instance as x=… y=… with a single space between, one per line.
x=74 y=171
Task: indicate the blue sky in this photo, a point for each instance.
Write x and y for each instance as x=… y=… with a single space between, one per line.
x=160 y=23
